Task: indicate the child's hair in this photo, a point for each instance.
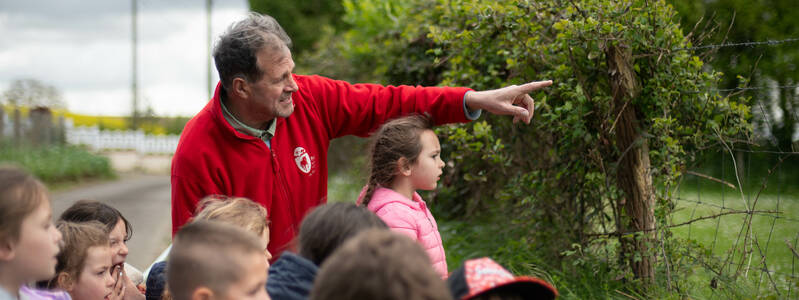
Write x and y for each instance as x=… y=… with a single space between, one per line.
x=379 y=264
x=20 y=195
x=207 y=254
x=77 y=239
x=394 y=140
x=90 y=210
x=328 y=226
x=238 y=211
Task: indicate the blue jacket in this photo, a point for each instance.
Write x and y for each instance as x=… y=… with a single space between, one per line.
x=291 y=277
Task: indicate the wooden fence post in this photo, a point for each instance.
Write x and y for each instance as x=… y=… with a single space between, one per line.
x=41 y=133
x=61 y=131
x=17 y=126
x=2 y=123
x=633 y=173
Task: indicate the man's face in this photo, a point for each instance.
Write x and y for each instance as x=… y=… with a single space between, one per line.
x=270 y=96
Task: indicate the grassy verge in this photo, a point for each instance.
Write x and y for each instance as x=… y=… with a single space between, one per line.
x=57 y=165
x=723 y=238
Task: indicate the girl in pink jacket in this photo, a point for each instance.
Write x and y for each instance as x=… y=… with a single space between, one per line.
x=405 y=157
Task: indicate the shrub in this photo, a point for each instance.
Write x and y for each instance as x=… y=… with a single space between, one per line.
x=57 y=164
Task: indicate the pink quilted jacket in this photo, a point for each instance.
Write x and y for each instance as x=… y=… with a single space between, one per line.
x=411 y=218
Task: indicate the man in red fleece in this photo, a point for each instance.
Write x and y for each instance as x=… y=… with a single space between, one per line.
x=265 y=133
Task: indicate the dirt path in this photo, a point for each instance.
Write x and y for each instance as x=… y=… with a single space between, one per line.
x=143 y=199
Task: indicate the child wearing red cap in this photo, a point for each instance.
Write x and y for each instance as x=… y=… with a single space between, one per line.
x=484 y=279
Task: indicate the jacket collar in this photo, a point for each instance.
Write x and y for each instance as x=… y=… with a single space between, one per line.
x=383 y=196
x=215 y=108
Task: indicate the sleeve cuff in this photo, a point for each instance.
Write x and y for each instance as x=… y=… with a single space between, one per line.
x=471 y=115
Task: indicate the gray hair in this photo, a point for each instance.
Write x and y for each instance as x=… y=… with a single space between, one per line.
x=235 y=52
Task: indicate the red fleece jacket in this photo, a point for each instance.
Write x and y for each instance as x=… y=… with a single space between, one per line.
x=291 y=178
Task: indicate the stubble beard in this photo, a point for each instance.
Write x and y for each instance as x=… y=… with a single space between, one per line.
x=284 y=110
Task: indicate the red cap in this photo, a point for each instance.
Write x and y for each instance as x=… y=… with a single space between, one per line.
x=484 y=274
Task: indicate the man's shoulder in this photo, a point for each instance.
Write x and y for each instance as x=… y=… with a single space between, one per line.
x=315 y=84
x=200 y=131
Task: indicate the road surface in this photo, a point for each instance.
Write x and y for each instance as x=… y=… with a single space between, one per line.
x=143 y=199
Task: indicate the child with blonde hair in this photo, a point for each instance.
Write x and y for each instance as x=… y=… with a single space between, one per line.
x=84 y=264
x=405 y=157
x=28 y=239
x=237 y=211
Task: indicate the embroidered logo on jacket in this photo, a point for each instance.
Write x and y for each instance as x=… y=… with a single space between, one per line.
x=302 y=159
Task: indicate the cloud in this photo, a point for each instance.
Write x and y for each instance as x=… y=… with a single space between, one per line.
x=83 y=48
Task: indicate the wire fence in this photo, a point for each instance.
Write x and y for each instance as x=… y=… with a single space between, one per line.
x=747 y=212
x=743 y=205
x=740 y=44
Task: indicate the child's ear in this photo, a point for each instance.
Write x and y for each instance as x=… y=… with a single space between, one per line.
x=7 y=248
x=404 y=167
x=202 y=293
x=65 y=281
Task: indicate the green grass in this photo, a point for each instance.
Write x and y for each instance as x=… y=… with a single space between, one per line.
x=719 y=236
x=57 y=165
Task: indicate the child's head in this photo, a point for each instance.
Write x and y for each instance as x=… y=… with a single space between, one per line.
x=404 y=147
x=238 y=211
x=379 y=264
x=28 y=239
x=84 y=265
x=217 y=261
x=484 y=279
x=117 y=227
x=328 y=226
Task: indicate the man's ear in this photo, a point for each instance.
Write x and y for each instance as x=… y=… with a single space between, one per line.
x=65 y=282
x=7 y=248
x=240 y=88
x=404 y=167
x=202 y=293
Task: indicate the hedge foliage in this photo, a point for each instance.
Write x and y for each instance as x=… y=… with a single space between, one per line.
x=558 y=177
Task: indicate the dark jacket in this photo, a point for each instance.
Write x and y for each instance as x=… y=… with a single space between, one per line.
x=291 y=277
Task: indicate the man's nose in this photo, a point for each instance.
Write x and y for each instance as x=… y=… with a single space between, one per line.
x=294 y=86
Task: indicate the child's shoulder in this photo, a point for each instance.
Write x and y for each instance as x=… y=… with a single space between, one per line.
x=390 y=207
x=26 y=293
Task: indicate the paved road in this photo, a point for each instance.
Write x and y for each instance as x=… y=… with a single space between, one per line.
x=143 y=199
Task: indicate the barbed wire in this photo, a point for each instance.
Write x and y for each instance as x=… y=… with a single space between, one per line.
x=741 y=44
x=758 y=213
x=765 y=151
x=743 y=89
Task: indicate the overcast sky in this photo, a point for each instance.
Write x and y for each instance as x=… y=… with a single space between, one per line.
x=83 y=48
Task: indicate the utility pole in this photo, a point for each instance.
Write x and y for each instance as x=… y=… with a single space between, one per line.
x=209 y=88
x=134 y=86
